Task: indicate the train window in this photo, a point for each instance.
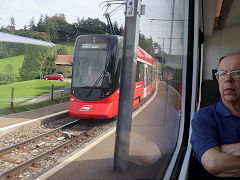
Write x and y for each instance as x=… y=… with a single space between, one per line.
x=139 y=72
x=90 y=89
x=155 y=129
x=149 y=75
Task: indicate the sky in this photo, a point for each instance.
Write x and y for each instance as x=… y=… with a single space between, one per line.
x=24 y=10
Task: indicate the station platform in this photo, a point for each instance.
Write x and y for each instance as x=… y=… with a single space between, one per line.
x=8 y=120
x=152 y=141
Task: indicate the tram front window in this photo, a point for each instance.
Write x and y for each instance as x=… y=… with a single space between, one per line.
x=89 y=66
x=93 y=67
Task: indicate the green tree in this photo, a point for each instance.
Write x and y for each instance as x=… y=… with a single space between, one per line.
x=31 y=65
x=3 y=50
x=8 y=74
x=146 y=44
x=56 y=26
x=12 y=23
x=32 y=25
x=34 y=34
x=63 y=28
x=34 y=59
x=91 y=26
x=10 y=49
x=40 y=25
x=57 y=29
x=118 y=30
x=51 y=27
x=36 y=62
x=49 y=66
x=153 y=48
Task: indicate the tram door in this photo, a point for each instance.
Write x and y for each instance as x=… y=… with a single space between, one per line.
x=145 y=81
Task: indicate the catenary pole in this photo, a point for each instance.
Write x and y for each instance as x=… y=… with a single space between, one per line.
x=128 y=71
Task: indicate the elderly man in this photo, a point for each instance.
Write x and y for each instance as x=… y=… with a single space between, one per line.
x=216 y=129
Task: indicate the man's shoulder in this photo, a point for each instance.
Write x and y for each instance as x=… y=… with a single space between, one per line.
x=208 y=109
x=205 y=113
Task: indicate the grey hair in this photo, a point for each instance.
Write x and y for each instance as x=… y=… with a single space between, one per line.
x=231 y=54
x=168 y=69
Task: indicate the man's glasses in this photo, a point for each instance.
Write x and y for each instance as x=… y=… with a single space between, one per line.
x=235 y=74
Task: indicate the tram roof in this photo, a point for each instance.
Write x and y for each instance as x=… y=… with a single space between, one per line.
x=145 y=56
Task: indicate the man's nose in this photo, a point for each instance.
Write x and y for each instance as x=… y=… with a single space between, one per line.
x=229 y=77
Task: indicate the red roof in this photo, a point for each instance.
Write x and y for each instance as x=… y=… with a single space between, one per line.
x=64 y=60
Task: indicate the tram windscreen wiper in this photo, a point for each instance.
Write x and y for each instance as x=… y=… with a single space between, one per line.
x=104 y=74
x=101 y=76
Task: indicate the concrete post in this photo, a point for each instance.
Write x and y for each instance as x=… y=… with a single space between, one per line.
x=128 y=71
x=52 y=92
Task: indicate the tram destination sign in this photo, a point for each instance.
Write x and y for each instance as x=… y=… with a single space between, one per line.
x=94 y=46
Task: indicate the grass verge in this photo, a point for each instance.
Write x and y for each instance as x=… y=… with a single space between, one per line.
x=26 y=90
x=17 y=109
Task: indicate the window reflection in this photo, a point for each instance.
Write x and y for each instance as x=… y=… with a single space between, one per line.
x=155 y=129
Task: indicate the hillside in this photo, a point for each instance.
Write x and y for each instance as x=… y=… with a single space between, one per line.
x=16 y=63
x=69 y=47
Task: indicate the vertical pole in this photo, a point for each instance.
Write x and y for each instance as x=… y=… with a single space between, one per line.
x=163 y=44
x=128 y=71
x=40 y=72
x=12 y=97
x=52 y=92
x=171 y=30
x=166 y=103
x=62 y=95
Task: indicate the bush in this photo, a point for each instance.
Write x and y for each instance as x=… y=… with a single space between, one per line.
x=62 y=51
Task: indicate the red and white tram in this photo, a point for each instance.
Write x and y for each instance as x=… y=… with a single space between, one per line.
x=96 y=76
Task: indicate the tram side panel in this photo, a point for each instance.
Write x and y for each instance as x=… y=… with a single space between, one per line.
x=107 y=107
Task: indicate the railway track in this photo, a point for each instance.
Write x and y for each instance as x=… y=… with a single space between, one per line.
x=55 y=141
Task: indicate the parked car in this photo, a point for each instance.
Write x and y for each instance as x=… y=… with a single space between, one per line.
x=58 y=77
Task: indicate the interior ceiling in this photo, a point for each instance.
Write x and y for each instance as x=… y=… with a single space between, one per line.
x=233 y=18
x=208 y=16
x=219 y=14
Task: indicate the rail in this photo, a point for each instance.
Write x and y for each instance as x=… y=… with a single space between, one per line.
x=30 y=162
